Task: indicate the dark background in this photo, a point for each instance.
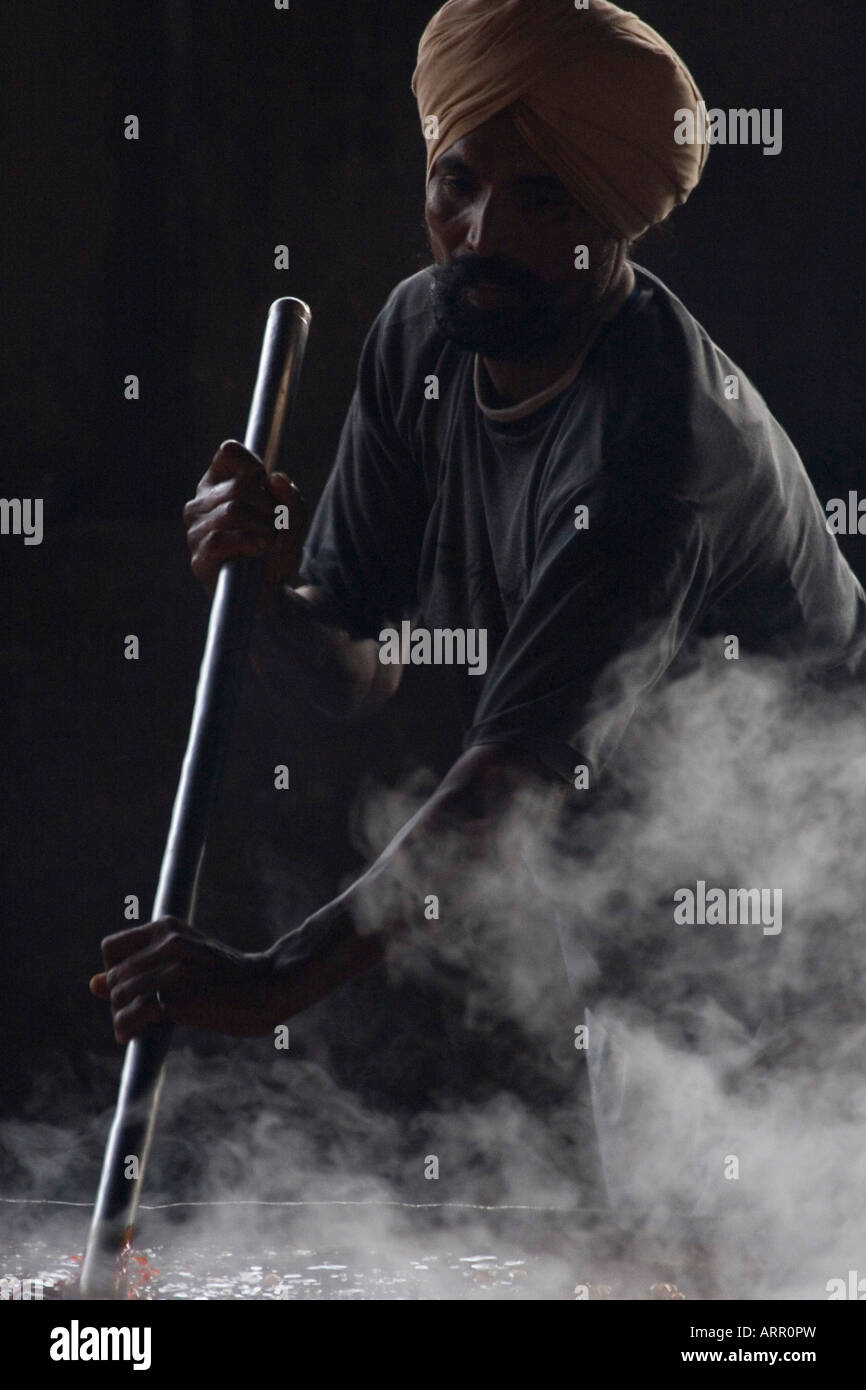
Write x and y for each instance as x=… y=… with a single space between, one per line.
x=155 y=257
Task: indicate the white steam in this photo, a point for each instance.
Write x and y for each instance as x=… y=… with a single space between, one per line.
x=726 y=1065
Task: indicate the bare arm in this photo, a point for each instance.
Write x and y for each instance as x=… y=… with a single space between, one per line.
x=208 y=985
x=467 y=808
x=299 y=649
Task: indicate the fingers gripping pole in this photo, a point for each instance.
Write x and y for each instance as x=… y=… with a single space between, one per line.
x=231 y=618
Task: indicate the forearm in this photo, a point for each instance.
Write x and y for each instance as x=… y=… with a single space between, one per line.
x=385 y=907
x=301 y=652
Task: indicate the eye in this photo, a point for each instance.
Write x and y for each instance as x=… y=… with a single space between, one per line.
x=455 y=184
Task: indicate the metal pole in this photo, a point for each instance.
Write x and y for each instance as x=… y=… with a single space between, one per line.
x=231 y=619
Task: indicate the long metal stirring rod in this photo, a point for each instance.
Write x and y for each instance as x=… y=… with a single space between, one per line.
x=231 y=618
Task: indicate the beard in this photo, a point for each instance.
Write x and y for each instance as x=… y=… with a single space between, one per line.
x=524 y=326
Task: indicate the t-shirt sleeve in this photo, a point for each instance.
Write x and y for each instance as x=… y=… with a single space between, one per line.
x=607 y=609
x=364 y=541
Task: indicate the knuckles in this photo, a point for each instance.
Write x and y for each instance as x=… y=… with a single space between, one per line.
x=247 y=484
x=246 y=488
x=236 y=495
x=210 y=544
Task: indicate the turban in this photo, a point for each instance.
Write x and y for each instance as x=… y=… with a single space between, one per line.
x=594 y=92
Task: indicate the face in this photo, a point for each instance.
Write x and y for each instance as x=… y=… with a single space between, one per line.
x=503 y=231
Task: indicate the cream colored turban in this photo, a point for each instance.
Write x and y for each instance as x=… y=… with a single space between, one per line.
x=594 y=93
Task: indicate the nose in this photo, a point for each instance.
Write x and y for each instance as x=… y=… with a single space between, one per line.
x=489 y=225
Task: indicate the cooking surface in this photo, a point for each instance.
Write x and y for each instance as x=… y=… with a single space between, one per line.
x=360 y=1252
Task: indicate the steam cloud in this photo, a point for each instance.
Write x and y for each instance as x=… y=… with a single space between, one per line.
x=706 y=1043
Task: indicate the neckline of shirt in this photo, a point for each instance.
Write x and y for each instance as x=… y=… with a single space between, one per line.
x=622 y=292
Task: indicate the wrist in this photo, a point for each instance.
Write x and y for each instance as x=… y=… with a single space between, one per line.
x=318 y=957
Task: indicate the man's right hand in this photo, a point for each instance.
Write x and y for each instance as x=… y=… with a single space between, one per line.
x=233 y=513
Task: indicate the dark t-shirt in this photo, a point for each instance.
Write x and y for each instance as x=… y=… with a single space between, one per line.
x=700 y=519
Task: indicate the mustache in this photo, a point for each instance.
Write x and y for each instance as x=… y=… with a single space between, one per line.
x=467 y=272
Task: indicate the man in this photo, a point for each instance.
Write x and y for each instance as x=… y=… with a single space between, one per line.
x=544 y=447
